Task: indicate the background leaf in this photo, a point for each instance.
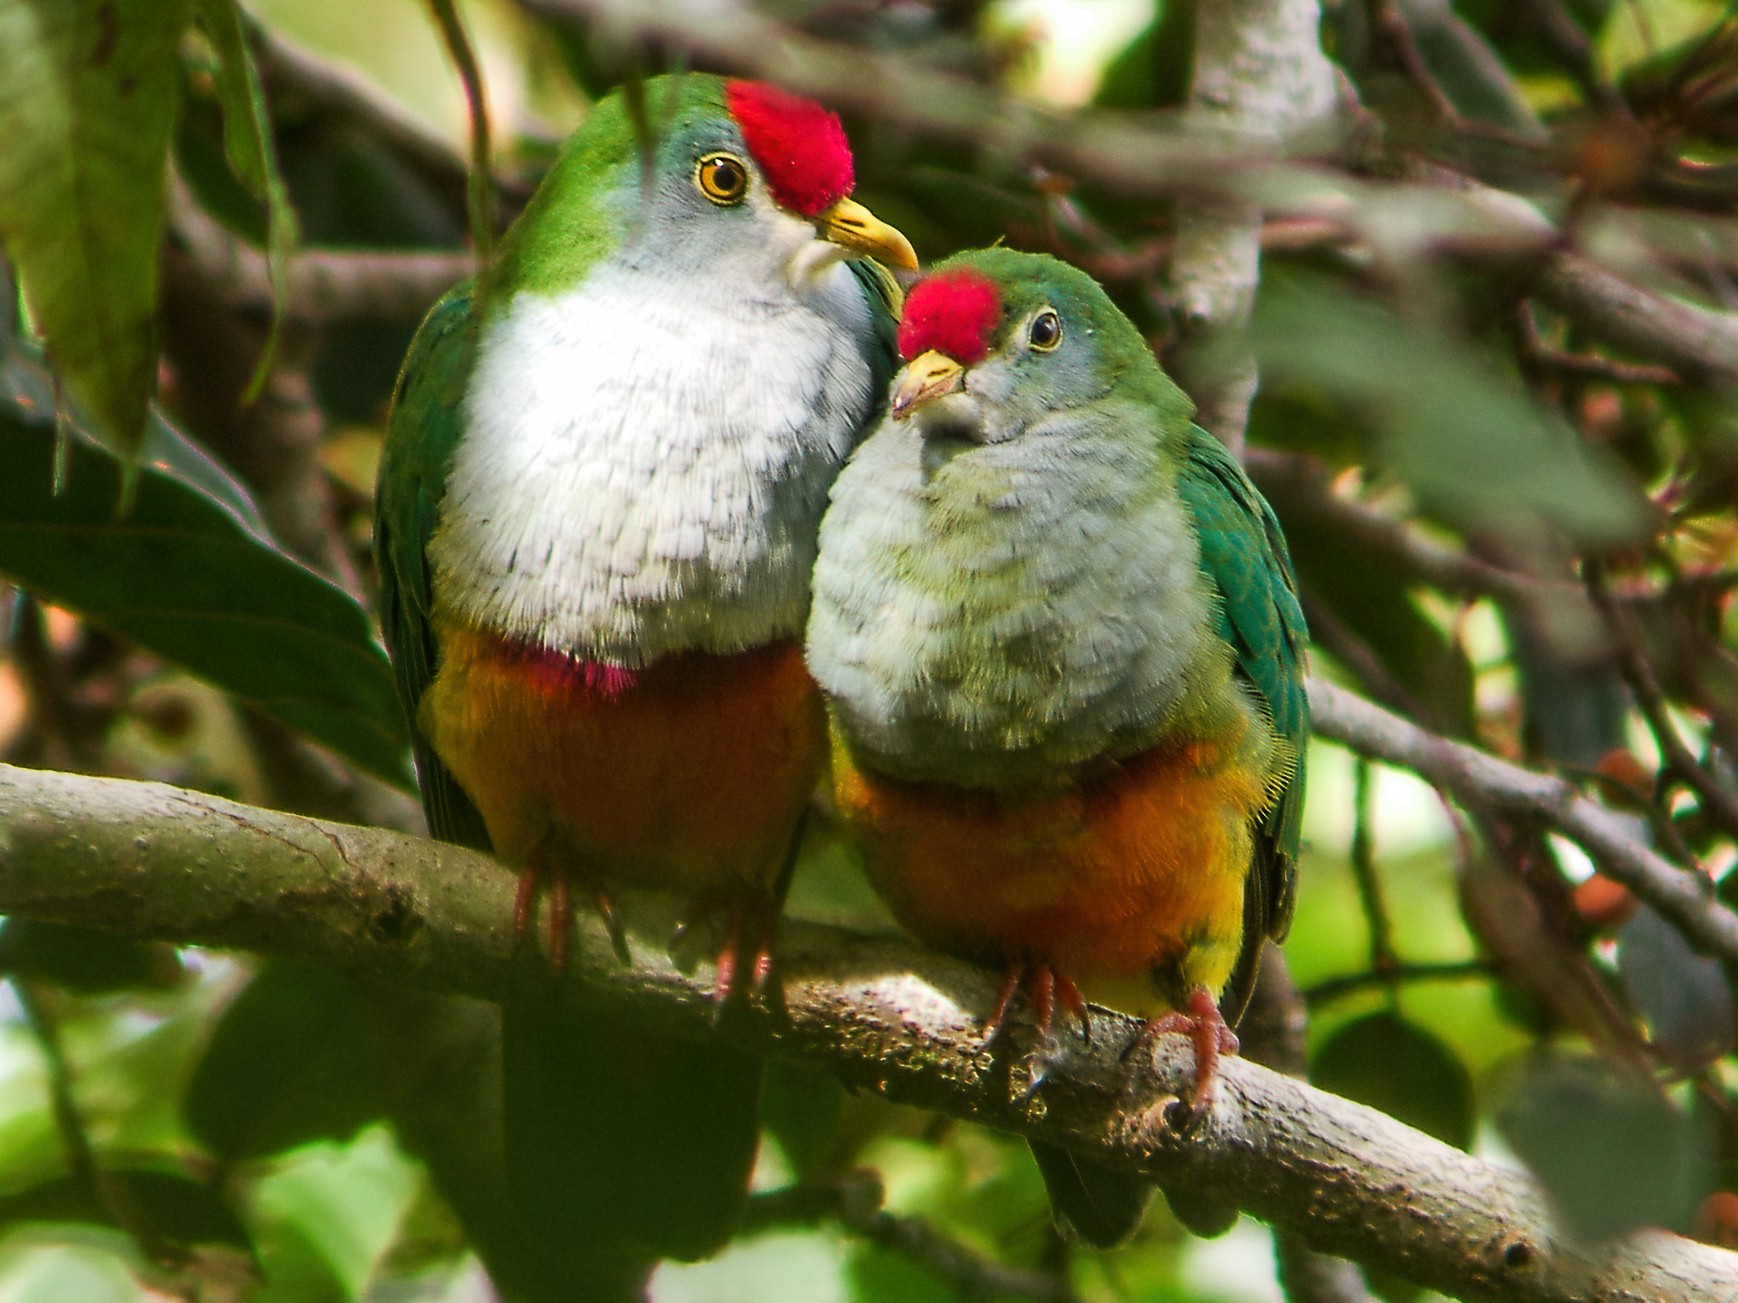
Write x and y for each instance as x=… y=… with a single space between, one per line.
x=1614 y=1154
x=191 y=575
x=87 y=102
x=1397 y=1066
x=287 y=1064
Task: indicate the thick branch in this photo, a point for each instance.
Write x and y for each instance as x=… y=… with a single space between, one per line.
x=1485 y=782
x=1259 y=75
x=154 y=861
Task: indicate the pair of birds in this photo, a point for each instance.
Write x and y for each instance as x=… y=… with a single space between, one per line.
x=1052 y=643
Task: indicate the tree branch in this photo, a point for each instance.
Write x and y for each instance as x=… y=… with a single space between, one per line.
x=325 y=285
x=1485 y=782
x=153 y=861
x=1259 y=75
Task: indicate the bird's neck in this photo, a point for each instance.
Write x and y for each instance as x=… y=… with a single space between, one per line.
x=645 y=463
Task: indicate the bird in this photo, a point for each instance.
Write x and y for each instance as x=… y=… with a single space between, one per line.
x=596 y=517
x=1059 y=638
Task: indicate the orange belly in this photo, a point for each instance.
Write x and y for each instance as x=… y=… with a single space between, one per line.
x=1131 y=882
x=683 y=774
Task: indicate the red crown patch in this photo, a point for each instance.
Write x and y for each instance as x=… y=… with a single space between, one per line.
x=953 y=314
x=800 y=146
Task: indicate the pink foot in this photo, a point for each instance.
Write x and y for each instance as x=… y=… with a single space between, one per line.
x=533 y=878
x=1204 y=1025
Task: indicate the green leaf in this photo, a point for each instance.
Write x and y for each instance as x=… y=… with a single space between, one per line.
x=252 y=154
x=330 y=1214
x=287 y=1064
x=1472 y=445
x=1394 y=1065
x=56 y=1273
x=192 y=575
x=87 y=101
x=1612 y=1153
x=878 y=1276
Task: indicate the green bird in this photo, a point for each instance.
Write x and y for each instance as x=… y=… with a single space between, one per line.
x=1059 y=637
x=597 y=512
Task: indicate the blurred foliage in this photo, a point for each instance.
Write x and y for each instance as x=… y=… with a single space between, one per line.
x=1420 y=400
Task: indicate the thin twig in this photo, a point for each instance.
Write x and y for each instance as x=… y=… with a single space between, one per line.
x=855 y=1202
x=1453 y=970
x=1485 y=781
x=1363 y=855
x=479 y=185
x=1638 y=672
x=75 y=1141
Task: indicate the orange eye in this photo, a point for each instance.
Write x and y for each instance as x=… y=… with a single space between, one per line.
x=722 y=178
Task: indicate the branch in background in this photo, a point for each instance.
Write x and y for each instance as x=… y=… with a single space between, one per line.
x=325 y=285
x=1137 y=154
x=1699 y=343
x=297 y=81
x=151 y=861
x=273 y=442
x=1452 y=970
x=1485 y=782
x=855 y=1202
x=1301 y=485
x=1259 y=74
x=1149 y=156
x=1720 y=804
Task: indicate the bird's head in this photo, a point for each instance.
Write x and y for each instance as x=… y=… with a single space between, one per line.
x=701 y=176
x=996 y=342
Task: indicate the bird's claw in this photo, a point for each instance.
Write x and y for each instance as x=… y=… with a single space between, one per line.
x=1212 y=1038
x=750 y=925
x=1047 y=988
x=541 y=871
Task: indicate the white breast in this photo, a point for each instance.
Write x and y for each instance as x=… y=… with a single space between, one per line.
x=645 y=463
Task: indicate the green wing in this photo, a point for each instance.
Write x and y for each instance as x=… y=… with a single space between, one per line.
x=424 y=429
x=1244 y=558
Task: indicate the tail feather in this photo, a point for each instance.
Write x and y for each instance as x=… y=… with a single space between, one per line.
x=633 y=1148
x=1101 y=1204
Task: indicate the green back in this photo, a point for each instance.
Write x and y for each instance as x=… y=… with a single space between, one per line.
x=1244 y=559
x=425 y=428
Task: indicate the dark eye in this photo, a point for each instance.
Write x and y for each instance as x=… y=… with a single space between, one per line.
x=1046 y=331
x=722 y=178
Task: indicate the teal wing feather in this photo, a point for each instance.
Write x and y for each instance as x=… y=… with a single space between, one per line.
x=1245 y=560
x=885 y=300
x=425 y=428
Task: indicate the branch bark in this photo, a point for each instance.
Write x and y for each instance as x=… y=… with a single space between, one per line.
x=1260 y=76
x=1486 y=782
x=152 y=861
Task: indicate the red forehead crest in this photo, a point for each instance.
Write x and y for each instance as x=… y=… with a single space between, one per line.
x=800 y=146
x=952 y=313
